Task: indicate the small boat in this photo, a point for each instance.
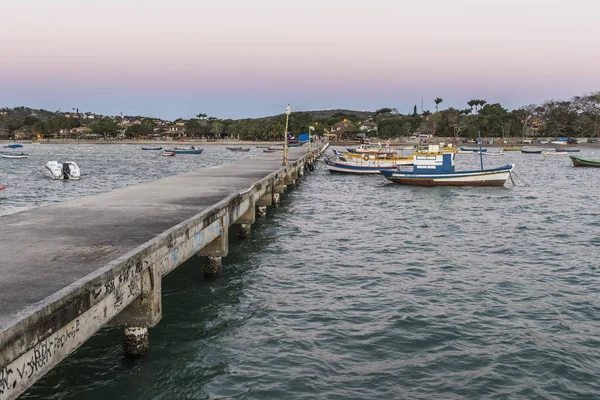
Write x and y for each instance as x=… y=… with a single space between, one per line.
x=355 y=168
x=2 y=187
x=168 y=153
x=368 y=165
x=567 y=150
x=473 y=149
x=13 y=146
x=275 y=148
x=14 y=155
x=495 y=153
x=583 y=162
x=186 y=151
x=531 y=151
x=269 y=151
x=183 y=148
x=67 y=170
x=243 y=149
x=553 y=153
x=512 y=148
x=151 y=148
x=436 y=168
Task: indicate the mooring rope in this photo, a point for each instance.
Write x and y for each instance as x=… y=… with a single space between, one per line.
x=519 y=178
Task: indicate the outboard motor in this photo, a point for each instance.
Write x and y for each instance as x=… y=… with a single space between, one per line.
x=66 y=171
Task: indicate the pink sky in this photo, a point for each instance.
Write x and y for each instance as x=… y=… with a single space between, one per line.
x=238 y=58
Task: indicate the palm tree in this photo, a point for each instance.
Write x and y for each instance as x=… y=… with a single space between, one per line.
x=471 y=104
x=482 y=103
x=437 y=101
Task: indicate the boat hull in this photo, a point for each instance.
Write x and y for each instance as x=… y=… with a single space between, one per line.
x=337 y=167
x=151 y=148
x=491 y=177
x=196 y=151
x=582 y=162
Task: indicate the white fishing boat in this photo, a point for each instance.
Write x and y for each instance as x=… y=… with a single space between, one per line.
x=67 y=170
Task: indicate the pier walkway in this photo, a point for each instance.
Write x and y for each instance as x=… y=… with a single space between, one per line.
x=70 y=268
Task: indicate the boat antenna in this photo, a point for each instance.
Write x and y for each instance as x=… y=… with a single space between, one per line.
x=480 y=150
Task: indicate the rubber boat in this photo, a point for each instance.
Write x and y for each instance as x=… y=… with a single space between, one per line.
x=436 y=168
x=67 y=170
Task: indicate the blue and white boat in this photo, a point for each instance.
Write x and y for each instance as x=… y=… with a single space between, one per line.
x=13 y=146
x=436 y=168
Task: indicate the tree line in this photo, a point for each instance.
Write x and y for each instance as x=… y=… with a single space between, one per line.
x=579 y=116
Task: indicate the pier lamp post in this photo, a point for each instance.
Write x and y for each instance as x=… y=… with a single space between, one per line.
x=310 y=128
x=288 y=111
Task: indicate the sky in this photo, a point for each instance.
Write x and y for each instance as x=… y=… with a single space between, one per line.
x=250 y=58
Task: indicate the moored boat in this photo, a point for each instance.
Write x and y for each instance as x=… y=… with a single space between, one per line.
x=436 y=168
x=187 y=151
x=167 y=153
x=240 y=148
x=67 y=170
x=356 y=168
x=151 y=148
x=14 y=155
x=13 y=146
x=567 y=150
x=473 y=149
x=531 y=151
x=584 y=162
x=512 y=148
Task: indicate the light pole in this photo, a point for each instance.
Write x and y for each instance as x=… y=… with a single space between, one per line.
x=288 y=111
x=310 y=128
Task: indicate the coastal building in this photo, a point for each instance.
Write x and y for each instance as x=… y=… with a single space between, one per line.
x=342 y=128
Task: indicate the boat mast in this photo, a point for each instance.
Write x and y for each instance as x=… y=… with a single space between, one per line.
x=480 y=150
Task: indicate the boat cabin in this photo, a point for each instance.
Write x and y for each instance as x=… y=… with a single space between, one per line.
x=433 y=160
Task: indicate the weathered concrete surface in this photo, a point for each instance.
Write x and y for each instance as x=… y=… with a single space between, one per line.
x=69 y=268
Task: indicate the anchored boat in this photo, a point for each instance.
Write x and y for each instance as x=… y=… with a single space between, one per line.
x=151 y=148
x=186 y=151
x=67 y=170
x=583 y=162
x=14 y=155
x=436 y=168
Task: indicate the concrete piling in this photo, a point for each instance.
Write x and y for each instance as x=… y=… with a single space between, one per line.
x=214 y=266
x=136 y=342
x=275 y=200
x=245 y=231
x=262 y=211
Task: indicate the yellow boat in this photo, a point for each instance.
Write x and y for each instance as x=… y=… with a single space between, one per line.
x=378 y=157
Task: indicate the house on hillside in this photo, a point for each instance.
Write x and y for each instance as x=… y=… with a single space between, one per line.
x=368 y=127
x=342 y=128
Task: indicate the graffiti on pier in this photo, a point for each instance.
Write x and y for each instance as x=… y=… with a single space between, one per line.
x=207 y=235
x=36 y=361
x=125 y=285
x=5 y=381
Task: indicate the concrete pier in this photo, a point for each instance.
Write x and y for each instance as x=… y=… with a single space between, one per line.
x=68 y=269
